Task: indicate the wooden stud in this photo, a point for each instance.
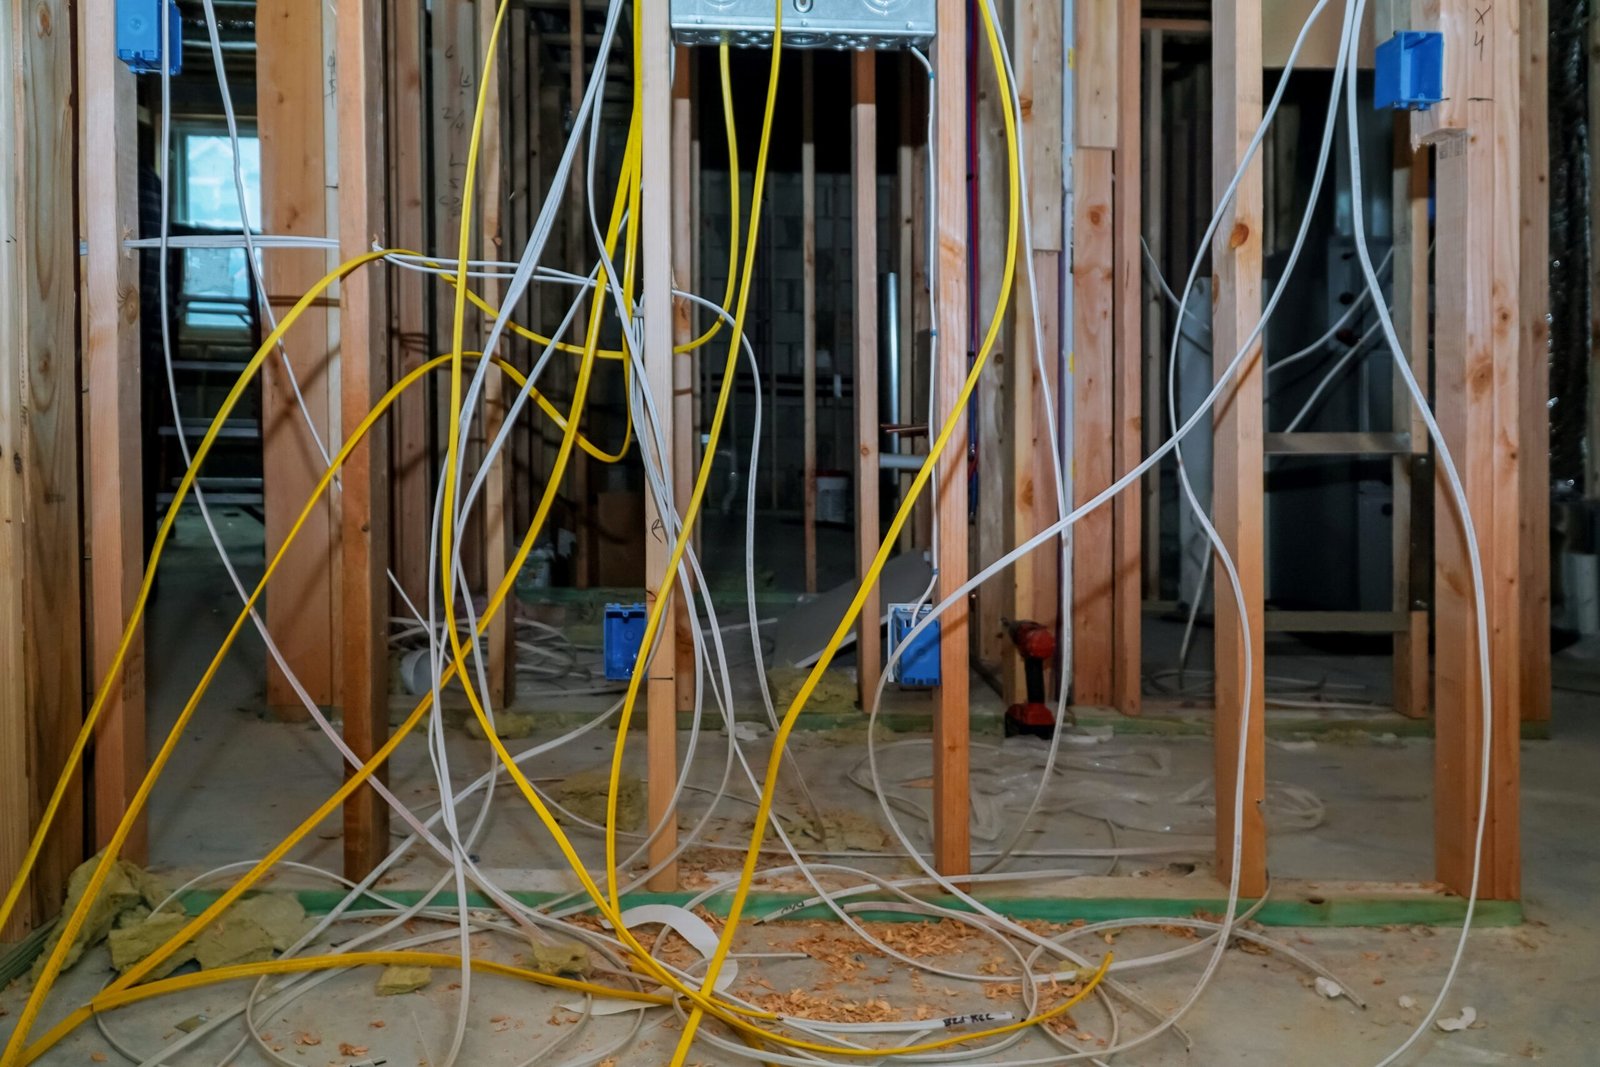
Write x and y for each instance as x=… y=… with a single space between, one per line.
x=911 y=222
x=1093 y=363
x=1534 y=273
x=952 y=848
x=993 y=520
x=808 y=306
x=408 y=296
x=114 y=490
x=1127 y=442
x=684 y=450
x=1096 y=88
x=1096 y=51
x=1036 y=593
x=914 y=393
x=1152 y=222
x=655 y=288
x=363 y=376
x=41 y=650
x=1477 y=374
x=585 y=558
x=1412 y=677
x=290 y=123
x=1237 y=464
x=864 y=215
x=496 y=524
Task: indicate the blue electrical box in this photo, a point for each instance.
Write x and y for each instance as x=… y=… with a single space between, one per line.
x=139 y=35
x=621 y=636
x=919 y=663
x=1409 y=71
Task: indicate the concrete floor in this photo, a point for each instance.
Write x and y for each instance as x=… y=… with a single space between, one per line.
x=241 y=781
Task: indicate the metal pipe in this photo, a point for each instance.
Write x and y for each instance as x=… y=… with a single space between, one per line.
x=889 y=373
x=890 y=461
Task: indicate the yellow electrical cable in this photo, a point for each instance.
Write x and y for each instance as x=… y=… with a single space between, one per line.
x=702 y=998
x=108 y=1001
x=98 y=878
x=702 y=478
x=96 y=708
x=733 y=250
x=880 y=558
x=233 y=892
x=454 y=359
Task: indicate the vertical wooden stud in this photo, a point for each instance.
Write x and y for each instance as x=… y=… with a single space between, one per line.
x=864 y=215
x=683 y=446
x=1477 y=366
x=1412 y=677
x=1093 y=363
x=408 y=296
x=655 y=288
x=113 y=490
x=1095 y=130
x=290 y=123
x=952 y=848
x=1152 y=223
x=1037 y=46
x=1534 y=274
x=363 y=378
x=496 y=525
x=1127 y=442
x=41 y=640
x=1238 y=464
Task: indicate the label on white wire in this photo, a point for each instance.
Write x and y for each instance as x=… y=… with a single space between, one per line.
x=687 y=925
x=901 y=1026
x=950 y=1022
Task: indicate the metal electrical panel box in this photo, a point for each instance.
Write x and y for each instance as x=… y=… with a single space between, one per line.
x=861 y=25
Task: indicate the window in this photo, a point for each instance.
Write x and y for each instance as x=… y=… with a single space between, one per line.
x=216 y=282
x=209 y=197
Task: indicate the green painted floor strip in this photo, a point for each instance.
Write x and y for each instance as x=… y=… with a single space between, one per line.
x=1353 y=911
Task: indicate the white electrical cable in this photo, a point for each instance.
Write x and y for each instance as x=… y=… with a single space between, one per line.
x=710 y=654
x=1223 y=381
x=1458 y=493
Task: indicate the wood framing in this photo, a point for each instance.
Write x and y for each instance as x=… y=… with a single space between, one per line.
x=1237 y=464
x=1152 y=220
x=1412 y=676
x=41 y=664
x=683 y=443
x=113 y=476
x=1477 y=365
x=1093 y=368
x=496 y=505
x=1533 y=271
x=655 y=288
x=454 y=67
x=1127 y=439
x=952 y=848
x=408 y=296
x=579 y=257
x=998 y=496
x=291 y=116
x=1095 y=130
x=864 y=246
x=1036 y=579
x=363 y=378
x=910 y=222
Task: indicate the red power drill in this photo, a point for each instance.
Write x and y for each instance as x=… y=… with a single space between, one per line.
x=1037 y=646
